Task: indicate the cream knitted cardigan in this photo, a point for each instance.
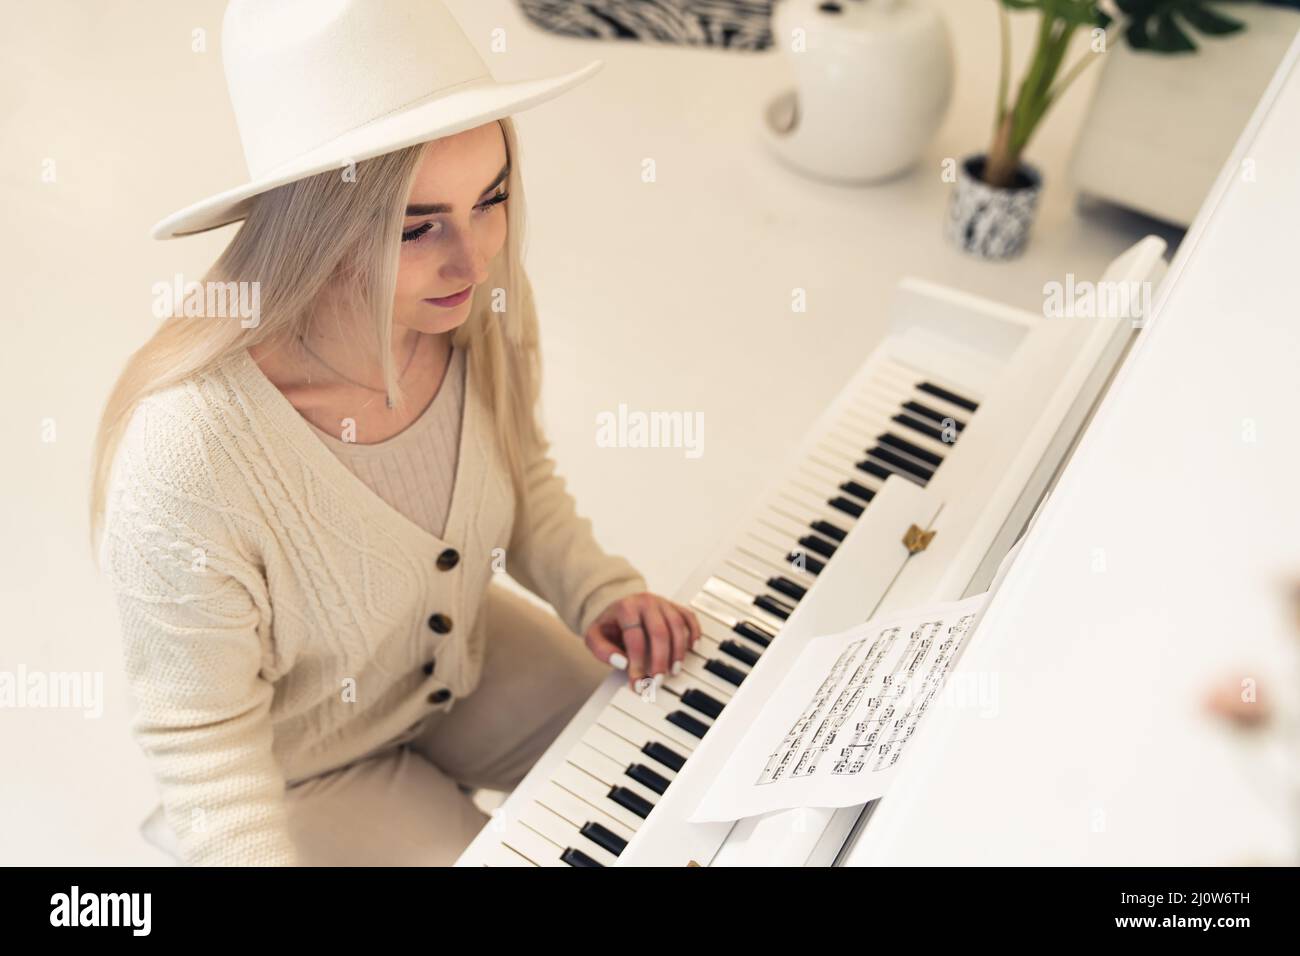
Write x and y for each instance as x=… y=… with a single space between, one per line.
x=277 y=615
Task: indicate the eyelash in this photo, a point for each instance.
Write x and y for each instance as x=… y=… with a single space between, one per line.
x=420 y=230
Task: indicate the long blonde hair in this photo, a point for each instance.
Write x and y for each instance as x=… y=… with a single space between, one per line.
x=342 y=234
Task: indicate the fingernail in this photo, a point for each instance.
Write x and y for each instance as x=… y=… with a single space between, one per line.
x=619 y=661
x=659 y=679
x=677 y=668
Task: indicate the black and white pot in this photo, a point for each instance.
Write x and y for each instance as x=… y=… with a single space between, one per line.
x=989 y=221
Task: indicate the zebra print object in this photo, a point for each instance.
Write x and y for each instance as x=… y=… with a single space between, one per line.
x=735 y=24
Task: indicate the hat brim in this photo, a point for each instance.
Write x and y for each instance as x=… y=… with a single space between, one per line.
x=473 y=105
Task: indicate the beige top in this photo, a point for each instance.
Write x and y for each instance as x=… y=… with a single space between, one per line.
x=415 y=469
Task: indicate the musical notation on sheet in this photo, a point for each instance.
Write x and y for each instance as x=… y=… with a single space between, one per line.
x=844 y=714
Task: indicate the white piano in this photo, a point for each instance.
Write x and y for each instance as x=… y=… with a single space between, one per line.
x=960 y=423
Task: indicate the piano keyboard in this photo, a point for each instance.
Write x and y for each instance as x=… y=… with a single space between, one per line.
x=893 y=420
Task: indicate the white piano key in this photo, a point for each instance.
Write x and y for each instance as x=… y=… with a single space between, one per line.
x=805 y=495
x=500 y=855
x=782 y=523
x=894 y=469
x=680 y=684
x=745 y=574
x=542 y=821
x=935 y=377
x=709 y=645
x=652 y=714
x=888 y=425
x=816 y=486
x=694 y=665
x=622 y=751
x=718 y=620
x=632 y=727
x=592 y=791
x=764 y=540
x=715 y=609
x=531 y=845
x=804 y=515
x=611 y=772
x=742 y=603
x=943 y=406
x=835 y=462
x=774 y=558
x=559 y=801
x=601 y=766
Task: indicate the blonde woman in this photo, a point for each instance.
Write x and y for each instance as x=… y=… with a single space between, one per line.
x=303 y=511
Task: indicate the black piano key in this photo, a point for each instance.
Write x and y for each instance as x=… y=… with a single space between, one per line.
x=857 y=490
x=931 y=389
x=628 y=800
x=784 y=585
x=740 y=652
x=647 y=777
x=665 y=755
x=604 y=838
x=730 y=674
x=829 y=530
x=577 y=858
x=819 y=545
x=901 y=463
x=850 y=508
x=807 y=562
x=920 y=427
x=916 y=451
x=707 y=705
x=934 y=415
x=876 y=471
x=696 y=728
x=772 y=606
x=757 y=634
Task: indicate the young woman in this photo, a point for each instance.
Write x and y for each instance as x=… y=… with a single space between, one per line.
x=303 y=515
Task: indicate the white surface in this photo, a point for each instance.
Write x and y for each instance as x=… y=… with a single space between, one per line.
x=665 y=296
x=1101 y=751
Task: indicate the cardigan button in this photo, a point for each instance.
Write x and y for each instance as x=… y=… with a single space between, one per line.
x=448 y=559
x=440 y=696
x=440 y=623
x=428 y=668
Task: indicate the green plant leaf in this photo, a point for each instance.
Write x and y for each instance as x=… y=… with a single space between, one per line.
x=1204 y=20
x=1135 y=32
x=1158 y=25
x=1169 y=36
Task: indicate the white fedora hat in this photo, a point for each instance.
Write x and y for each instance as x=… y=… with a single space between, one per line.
x=316 y=84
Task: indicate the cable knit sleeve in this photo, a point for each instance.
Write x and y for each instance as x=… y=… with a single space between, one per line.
x=193 y=612
x=553 y=551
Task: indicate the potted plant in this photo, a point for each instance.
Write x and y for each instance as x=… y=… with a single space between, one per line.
x=996 y=192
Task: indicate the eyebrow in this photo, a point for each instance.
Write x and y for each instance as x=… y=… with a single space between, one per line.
x=428 y=209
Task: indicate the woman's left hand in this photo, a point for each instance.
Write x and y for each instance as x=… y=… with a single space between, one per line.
x=645 y=635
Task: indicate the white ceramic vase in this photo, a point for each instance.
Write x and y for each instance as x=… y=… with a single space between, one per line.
x=873 y=79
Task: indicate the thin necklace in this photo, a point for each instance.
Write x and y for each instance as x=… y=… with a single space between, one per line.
x=388 y=399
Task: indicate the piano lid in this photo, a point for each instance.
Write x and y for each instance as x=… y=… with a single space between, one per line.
x=1163 y=562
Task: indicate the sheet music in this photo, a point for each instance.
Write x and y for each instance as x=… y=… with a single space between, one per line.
x=843 y=715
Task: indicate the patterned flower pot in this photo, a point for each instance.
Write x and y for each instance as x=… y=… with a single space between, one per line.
x=989 y=221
